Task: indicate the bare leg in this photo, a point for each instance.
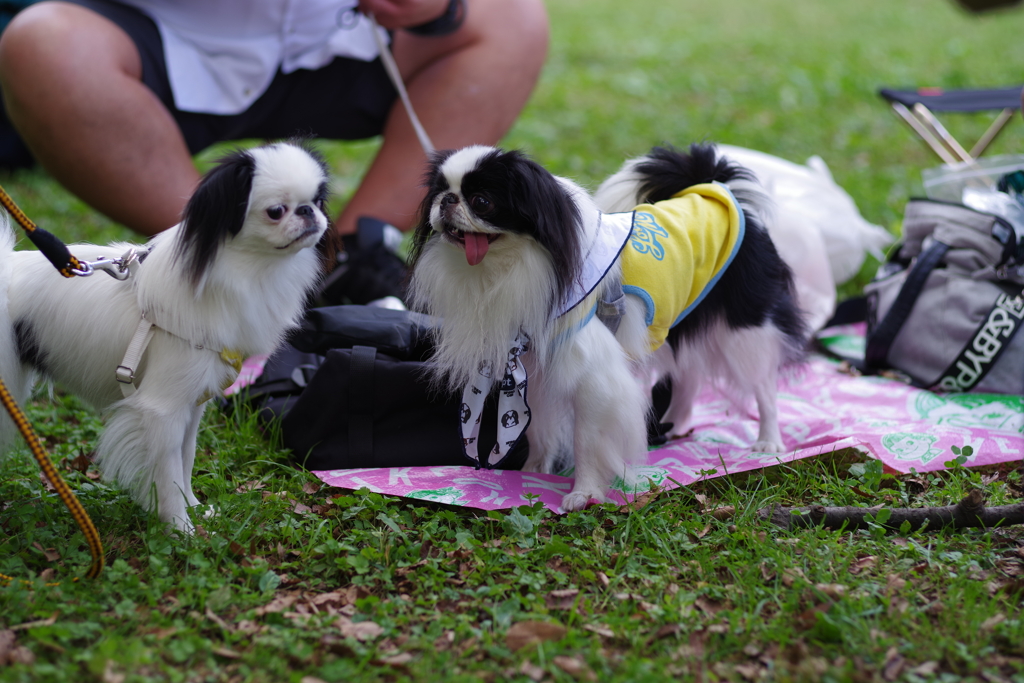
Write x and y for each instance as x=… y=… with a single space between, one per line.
x=71 y=81
x=466 y=88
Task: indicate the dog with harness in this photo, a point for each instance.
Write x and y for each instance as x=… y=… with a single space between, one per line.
x=150 y=348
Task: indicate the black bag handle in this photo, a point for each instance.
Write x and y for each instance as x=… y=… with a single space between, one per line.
x=881 y=338
x=360 y=404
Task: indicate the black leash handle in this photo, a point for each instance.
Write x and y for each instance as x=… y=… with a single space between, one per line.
x=48 y=244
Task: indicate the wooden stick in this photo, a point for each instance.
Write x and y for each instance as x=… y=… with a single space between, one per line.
x=968 y=513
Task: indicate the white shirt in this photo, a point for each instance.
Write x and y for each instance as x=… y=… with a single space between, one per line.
x=222 y=54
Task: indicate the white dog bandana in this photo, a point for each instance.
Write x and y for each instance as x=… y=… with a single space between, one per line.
x=513 y=411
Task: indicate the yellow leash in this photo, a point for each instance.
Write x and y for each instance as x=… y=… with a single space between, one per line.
x=69 y=266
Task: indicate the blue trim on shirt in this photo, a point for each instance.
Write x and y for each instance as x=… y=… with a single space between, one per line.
x=714 y=280
x=645 y=298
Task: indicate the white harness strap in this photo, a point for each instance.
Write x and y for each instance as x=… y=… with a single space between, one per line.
x=125 y=373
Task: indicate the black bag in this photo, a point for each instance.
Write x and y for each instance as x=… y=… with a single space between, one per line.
x=351 y=390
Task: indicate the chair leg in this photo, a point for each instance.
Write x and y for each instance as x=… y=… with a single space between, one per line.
x=994 y=130
x=924 y=133
x=926 y=117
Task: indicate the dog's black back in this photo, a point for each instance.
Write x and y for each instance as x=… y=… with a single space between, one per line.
x=757 y=286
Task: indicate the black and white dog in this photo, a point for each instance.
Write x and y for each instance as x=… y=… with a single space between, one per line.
x=516 y=261
x=222 y=285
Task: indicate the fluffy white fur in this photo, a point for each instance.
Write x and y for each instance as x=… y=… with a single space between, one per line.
x=76 y=330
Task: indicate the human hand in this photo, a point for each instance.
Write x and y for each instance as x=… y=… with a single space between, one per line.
x=392 y=14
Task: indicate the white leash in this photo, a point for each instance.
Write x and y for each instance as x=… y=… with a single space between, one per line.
x=396 y=79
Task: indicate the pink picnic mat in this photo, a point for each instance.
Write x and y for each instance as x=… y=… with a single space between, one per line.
x=821 y=409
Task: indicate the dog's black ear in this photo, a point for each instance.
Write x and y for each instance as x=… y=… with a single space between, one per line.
x=548 y=206
x=435 y=183
x=216 y=211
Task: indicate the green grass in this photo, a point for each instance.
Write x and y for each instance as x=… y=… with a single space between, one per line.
x=276 y=585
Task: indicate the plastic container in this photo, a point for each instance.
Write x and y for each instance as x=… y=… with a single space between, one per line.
x=947 y=182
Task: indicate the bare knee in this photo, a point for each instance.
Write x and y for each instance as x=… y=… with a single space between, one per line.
x=518 y=26
x=51 y=43
x=514 y=33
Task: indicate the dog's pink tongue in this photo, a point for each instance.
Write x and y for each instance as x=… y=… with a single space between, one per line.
x=476 y=247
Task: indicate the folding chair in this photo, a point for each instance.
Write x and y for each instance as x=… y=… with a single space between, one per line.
x=916 y=107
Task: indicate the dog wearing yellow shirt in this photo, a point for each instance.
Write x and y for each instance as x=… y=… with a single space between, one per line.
x=574 y=311
x=745 y=324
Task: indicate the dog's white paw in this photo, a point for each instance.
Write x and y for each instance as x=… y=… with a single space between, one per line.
x=767 y=447
x=578 y=500
x=678 y=433
x=207 y=511
x=183 y=527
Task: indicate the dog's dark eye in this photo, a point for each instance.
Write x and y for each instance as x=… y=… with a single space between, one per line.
x=275 y=212
x=480 y=203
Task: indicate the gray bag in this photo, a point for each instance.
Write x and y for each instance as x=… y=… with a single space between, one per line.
x=946 y=309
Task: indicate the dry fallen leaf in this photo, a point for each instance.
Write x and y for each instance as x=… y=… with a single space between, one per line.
x=110 y=675
x=894 y=583
x=993 y=621
x=925 y=670
x=894 y=663
x=750 y=672
x=862 y=563
x=80 y=463
x=561 y=599
x=600 y=629
x=280 y=603
x=361 y=630
x=832 y=590
x=665 y=631
x=709 y=606
x=49 y=621
x=575 y=667
x=531 y=670
x=724 y=512
x=791 y=574
x=11 y=652
x=400 y=659
x=531 y=632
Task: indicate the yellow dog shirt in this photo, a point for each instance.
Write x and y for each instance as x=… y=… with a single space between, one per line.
x=672 y=252
x=677 y=251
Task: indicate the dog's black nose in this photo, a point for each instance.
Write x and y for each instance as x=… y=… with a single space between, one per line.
x=306 y=211
x=448 y=199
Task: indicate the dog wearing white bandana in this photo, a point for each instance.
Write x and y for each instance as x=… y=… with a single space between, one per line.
x=530 y=276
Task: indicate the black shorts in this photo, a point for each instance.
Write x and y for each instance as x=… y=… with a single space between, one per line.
x=348 y=99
